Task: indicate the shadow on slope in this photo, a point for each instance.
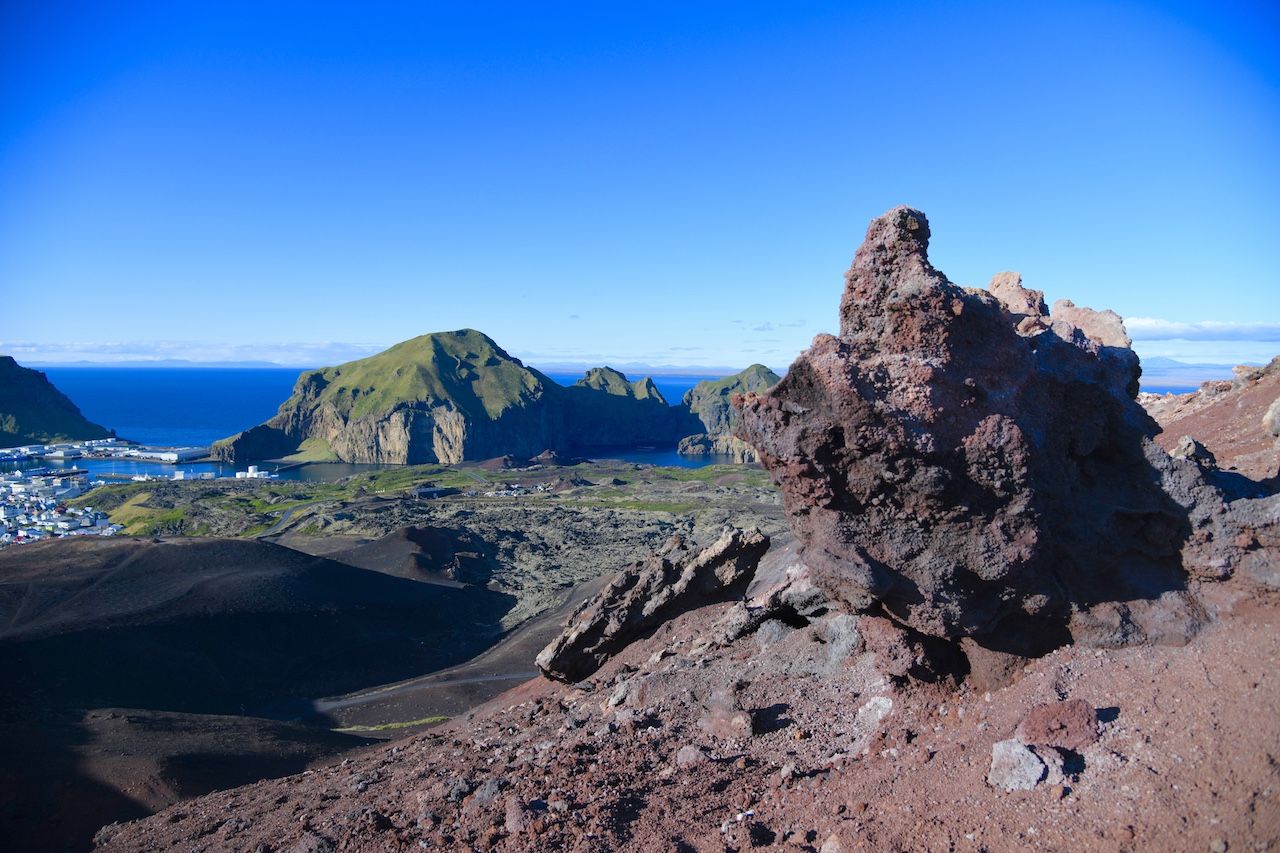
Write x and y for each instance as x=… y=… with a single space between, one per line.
x=431 y=554
x=65 y=774
x=219 y=626
x=189 y=629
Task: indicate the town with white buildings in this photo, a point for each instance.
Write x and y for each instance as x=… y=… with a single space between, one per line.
x=102 y=448
x=33 y=507
x=34 y=502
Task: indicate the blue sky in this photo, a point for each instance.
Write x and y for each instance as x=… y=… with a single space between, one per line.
x=661 y=184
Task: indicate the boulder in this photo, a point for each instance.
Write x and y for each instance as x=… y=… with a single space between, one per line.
x=977 y=465
x=1014 y=767
x=725 y=717
x=1271 y=419
x=1071 y=724
x=643 y=596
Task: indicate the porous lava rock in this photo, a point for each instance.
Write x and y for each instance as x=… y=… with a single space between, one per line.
x=642 y=597
x=979 y=465
x=1070 y=724
x=1014 y=766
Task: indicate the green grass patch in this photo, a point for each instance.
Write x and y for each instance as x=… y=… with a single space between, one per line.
x=710 y=473
x=387 y=727
x=107 y=498
x=314 y=449
x=141 y=520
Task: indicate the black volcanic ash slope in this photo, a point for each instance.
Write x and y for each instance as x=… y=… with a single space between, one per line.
x=218 y=626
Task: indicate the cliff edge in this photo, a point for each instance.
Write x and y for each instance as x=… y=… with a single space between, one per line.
x=33 y=411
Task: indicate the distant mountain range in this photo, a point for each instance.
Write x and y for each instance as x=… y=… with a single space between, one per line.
x=1160 y=372
x=450 y=396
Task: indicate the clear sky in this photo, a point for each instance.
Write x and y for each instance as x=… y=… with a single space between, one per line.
x=660 y=183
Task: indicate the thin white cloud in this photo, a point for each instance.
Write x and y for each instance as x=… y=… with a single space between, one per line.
x=1155 y=329
x=295 y=354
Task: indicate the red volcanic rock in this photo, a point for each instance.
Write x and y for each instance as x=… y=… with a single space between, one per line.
x=725 y=717
x=975 y=463
x=1238 y=421
x=649 y=593
x=1067 y=725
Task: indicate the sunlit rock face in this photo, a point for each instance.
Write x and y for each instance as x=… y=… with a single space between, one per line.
x=970 y=460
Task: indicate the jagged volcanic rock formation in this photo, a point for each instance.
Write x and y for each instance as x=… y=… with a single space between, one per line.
x=451 y=396
x=33 y=411
x=641 y=598
x=975 y=462
x=711 y=403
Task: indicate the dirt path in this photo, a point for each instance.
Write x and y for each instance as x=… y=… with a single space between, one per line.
x=454 y=691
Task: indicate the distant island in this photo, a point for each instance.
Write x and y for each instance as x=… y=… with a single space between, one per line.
x=33 y=411
x=454 y=396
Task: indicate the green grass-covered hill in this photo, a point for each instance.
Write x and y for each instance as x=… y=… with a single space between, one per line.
x=33 y=411
x=452 y=396
x=709 y=400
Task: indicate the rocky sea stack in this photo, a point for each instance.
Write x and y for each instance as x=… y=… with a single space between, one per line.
x=979 y=466
x=454 y=396
x=33 y=411
x=711 y=403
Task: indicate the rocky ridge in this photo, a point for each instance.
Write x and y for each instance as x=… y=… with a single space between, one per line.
x=1237 y=420
x=711 y=402
x=454 y=396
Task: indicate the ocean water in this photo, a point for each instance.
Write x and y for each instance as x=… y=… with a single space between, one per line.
x=175 y=406
x=196 y=406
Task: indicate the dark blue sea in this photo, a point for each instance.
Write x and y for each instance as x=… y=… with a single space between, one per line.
x=174 y=406
x=177 y=406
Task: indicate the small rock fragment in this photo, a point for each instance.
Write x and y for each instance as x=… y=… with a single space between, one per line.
x=725 y=717
x=489 y=791
x=1072 y=724
x=1014 y=766
x=690 y=756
